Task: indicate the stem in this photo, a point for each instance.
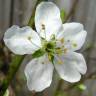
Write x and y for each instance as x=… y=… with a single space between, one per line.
x=58 y=87
x=14 y=66
x=16 y=62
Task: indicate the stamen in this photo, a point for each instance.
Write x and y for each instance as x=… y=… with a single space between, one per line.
x=49 y=57
x=29 y=38
x=68 y=40
x=52 y=37
x=60 y=62
x=65 y=50
x=42 y=62
x=43 y=27
x=59 y=51
x=74 y=45
x=62 y=40
x=62 y=46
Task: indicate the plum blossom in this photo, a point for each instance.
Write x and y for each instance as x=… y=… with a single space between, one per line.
x=52 y=45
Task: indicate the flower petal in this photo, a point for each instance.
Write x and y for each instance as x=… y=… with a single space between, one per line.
x=70 y=66
x=47 y=19
x=22 y=40
x=80 y=61
x=70 y=29
x=74 y=36
x=39 y=74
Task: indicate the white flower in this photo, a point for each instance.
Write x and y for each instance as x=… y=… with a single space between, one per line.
x=55 y=40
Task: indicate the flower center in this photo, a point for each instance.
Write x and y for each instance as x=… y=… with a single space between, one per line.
x=49 y=47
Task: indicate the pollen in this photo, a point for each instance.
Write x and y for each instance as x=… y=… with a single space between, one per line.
x=43 y=27
x=42 y=62
x=60 y=62
x=29 y=38
x=68 y=40
x=74 y=45
x=65 y=50
x=62 y=40
x=53 y=36
x=49 y=57
x=59 y=51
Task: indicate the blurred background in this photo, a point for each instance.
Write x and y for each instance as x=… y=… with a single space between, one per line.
x=18 y=12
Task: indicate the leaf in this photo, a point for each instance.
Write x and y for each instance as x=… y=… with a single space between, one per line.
x=62 y=15
x=6 y=93
x=82 y=87
x=38 y=53
x=61 y=93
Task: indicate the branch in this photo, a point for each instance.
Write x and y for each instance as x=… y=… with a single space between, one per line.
x=72 y=11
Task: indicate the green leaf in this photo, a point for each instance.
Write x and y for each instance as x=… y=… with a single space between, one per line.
x=61 y=93
x=6 y=93
x=52 y=59
x=82 y=87
x=38 y=53
x=62 y=15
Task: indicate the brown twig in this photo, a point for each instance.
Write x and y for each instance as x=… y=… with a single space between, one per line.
x=72 y=11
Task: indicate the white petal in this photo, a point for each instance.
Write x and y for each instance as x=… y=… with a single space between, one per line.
x=80 y=61
x=17 y=40
x=39 y=75
x=78 y=39
x=48 y=14
x=70 y=66
x=70 y=29
x=75 y=42
x=74 y=35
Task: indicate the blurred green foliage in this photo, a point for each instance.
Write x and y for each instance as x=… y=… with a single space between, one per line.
x=62 y=14
x=6 y=93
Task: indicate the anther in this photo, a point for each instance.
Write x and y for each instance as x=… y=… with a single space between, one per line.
x=74 y=45
x=65 y=50
x=42 y=62
x=49 y=57
x=43 y=27
x=68 y=40
x=29 y=38
x=59 y=51
x=62 y=40
x=60 y=62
